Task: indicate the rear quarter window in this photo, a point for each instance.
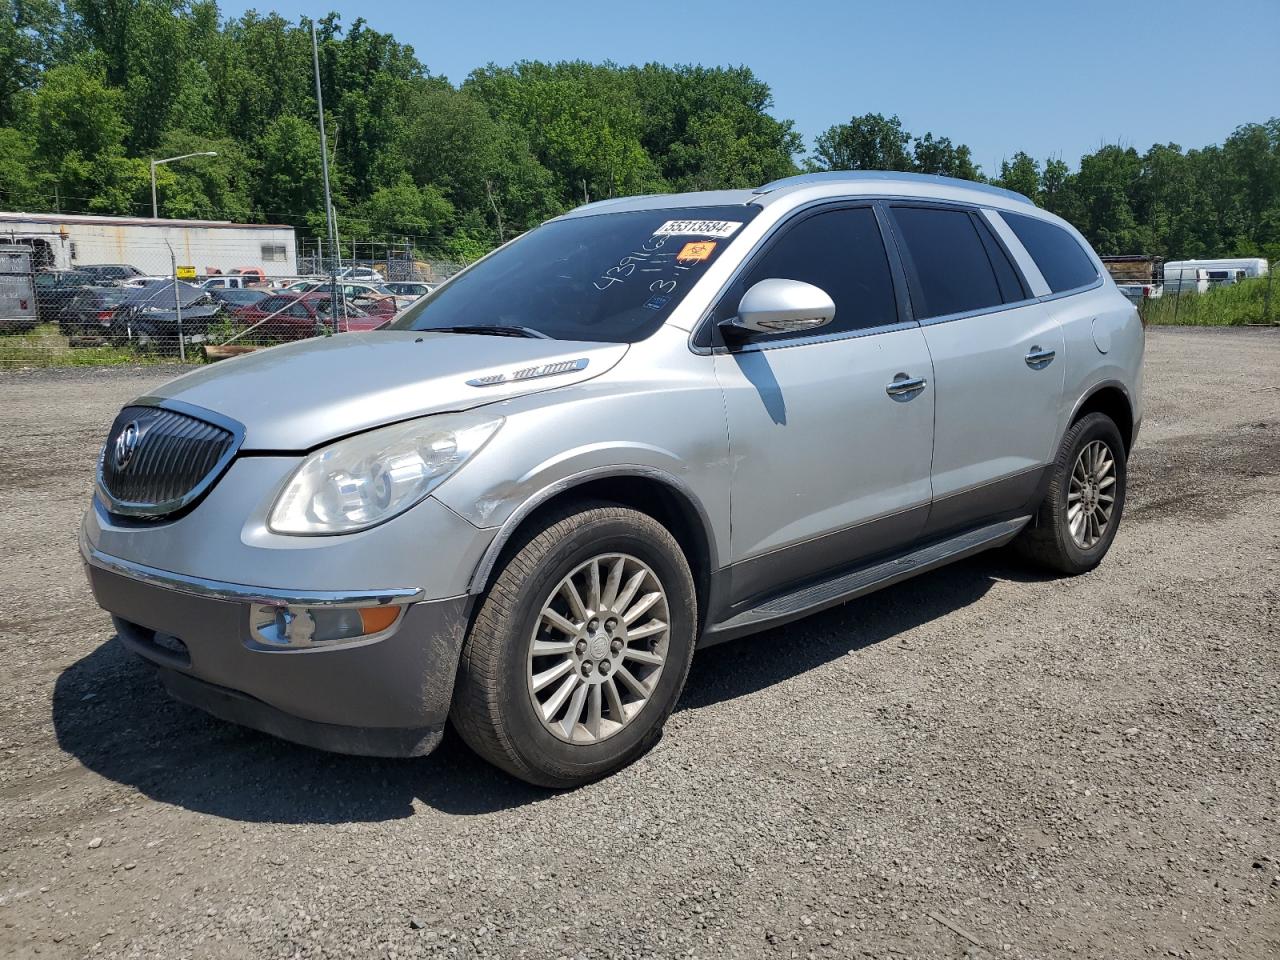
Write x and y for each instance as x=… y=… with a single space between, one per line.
x=1062 y=261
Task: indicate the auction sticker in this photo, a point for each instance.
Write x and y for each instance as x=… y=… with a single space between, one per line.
x=696 y=252
x=698 y=228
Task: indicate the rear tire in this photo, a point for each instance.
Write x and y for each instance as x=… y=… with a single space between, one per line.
x=1078 y=519
x=561 y=685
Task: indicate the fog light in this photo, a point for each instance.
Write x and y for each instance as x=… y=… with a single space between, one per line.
x=300 y=627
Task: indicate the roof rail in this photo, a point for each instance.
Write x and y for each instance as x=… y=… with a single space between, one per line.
x=863 y=176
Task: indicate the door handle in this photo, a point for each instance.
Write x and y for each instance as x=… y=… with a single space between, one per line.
x=1038 y=359
x=905 y=387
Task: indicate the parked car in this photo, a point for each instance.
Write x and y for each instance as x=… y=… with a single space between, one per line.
x=1136 y=293
x=149 y=316
x=227 y=281
x=236 y=301
x=110 y=273
x=373 y=299
x=55 y=290
x=650 y=424
x=91 y=311
x=296 y=285
x=287 y=316
x=409 y=288
x=367 y=274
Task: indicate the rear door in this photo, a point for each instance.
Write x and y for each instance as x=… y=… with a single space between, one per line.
x=830 y=451
x=997 y=366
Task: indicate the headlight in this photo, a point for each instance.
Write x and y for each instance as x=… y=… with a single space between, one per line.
x=372 y=477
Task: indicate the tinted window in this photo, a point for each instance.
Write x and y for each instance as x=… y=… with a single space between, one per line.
x=1010 y=281
x=953 y=273
x=1057 y=253
x=612 y=277
x=840 y=251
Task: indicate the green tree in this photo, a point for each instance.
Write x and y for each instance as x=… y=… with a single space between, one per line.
x=31 y=37
x=709 y=128
x=1103 y=186
x=20 y=184
x=1021 y=175
x=421 y=214
x=290 y=184
x=869 y=142
x=205 y=188
x=1057 y=189
x=939 y=156
x=583 y=123
x=77 y=133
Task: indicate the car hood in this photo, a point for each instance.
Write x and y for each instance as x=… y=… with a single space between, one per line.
x=299 y=395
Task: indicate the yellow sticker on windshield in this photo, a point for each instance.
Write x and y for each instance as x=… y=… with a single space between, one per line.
x=696 y=252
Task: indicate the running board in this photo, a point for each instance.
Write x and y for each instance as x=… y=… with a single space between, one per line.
x=819 y=596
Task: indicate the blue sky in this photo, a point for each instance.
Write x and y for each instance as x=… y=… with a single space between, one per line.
x=1050 y=78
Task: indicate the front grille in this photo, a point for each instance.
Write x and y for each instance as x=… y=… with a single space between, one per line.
x=158 y=461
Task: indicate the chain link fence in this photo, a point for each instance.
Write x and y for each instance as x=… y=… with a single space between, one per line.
x=103 y=313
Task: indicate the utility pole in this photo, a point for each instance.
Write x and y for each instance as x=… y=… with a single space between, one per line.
x=324 y=167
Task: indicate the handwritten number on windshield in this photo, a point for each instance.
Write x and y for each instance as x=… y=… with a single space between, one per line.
x=647 y=255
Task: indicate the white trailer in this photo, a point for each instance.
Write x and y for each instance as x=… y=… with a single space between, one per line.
x=1197 y=276
x=65 y=242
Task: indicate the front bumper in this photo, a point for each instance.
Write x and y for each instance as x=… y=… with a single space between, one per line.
x=388 y=697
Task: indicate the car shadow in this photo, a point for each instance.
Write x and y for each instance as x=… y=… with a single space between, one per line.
x=111 y=713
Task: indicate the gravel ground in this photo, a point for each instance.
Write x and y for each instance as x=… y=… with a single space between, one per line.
x=980 y=761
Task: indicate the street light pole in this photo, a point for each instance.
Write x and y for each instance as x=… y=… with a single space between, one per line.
x=155 y=209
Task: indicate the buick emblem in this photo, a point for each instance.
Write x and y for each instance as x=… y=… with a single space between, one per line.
x=127 y=444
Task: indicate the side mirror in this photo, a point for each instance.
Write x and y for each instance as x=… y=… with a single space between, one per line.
x=780 y=306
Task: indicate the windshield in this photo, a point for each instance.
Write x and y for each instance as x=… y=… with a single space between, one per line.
x=612 y=277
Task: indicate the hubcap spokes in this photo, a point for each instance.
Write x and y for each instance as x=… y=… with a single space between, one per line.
x=598 y=648
x=1091 y=495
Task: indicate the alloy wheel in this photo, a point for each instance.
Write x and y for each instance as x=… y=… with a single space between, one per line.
x=598 y=648
x=1091 y=496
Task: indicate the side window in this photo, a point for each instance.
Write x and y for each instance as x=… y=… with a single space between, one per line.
x=952 y=271
x=1058 y=254
x=840 y=251
x=1007 y=276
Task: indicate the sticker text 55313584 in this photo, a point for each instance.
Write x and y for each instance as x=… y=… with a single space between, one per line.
x=721 y=229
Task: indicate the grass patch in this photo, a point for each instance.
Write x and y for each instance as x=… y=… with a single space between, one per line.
x=1224 y=306
x=45 y=346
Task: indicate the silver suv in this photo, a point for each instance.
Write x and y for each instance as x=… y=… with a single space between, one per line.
x=651 y=424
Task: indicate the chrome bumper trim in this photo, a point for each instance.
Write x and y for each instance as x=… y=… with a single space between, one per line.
x=242 y=593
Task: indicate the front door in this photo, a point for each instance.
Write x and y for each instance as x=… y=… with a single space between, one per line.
x=830 y=433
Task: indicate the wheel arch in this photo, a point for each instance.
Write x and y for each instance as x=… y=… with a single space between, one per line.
x=1112 y=399
x=646 y=489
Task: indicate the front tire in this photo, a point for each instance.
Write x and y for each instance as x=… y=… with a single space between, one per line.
x=580 y=649
x=1078 y=519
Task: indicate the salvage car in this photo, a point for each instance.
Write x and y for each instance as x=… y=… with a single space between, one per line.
x=649 y=425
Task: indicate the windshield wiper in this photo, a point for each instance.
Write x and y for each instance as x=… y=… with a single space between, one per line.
x=491 y=330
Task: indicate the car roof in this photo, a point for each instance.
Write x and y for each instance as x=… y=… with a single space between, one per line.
x=833 y=183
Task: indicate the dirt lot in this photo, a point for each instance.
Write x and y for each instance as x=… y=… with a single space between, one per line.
x=981 y=761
